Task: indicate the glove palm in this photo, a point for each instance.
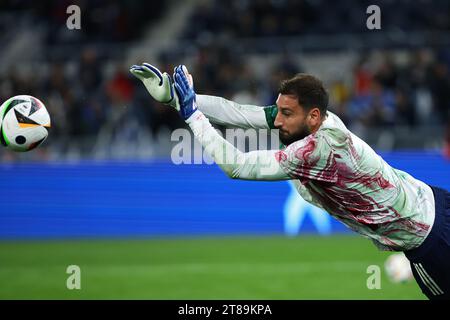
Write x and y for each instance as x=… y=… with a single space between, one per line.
x=159 y=85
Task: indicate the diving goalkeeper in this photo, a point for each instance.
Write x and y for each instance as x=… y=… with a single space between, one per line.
x=331 y=168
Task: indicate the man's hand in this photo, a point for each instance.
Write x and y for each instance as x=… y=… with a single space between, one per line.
x=184 y=86
x=158 y=84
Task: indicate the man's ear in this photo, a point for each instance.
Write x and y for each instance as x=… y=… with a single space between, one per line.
x=314 y=117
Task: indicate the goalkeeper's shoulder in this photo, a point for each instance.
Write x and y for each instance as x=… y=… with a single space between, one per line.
x=270 y=113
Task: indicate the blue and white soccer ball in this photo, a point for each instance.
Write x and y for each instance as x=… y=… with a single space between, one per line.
x=23 y=123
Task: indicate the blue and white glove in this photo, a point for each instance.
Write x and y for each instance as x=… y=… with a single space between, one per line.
x=159 y=85
x=184 y=86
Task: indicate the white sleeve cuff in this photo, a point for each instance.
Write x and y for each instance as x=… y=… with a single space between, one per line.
x=197 y=115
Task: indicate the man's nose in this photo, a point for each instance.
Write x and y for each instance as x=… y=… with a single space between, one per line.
x=277 y=123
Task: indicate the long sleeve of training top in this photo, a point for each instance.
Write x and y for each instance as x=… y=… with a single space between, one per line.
x=254 y=165
x=225 y=112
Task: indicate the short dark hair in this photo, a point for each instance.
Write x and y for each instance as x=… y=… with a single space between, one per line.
x=309 y=91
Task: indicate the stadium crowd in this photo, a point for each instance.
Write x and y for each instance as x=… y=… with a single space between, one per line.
x=103 y=21
x=411 y=95
x=268 y=18
x=83 y=101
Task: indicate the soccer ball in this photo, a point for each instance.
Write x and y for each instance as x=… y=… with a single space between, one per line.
x=398 y=268
x=23 y=123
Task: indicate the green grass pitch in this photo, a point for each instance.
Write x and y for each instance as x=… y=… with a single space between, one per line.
x=272 y=267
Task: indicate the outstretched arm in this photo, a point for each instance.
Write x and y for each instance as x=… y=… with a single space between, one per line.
x=225 y=112
x=217 y=109
x=255 y=165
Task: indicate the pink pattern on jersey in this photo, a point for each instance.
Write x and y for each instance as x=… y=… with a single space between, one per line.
x=411 y=225
x=304 y=156
x=337 y=195
x=304 y=153
x=344 y=176
x=370 y=181
x=352 y=148
x=281 y=156
x=348 y=203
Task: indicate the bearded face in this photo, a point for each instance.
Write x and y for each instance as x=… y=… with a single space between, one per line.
x=292 y=121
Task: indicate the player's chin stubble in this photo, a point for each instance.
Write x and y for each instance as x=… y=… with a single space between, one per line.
x=286 y=138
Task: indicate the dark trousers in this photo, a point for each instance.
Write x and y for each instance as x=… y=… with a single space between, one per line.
x=430 y=262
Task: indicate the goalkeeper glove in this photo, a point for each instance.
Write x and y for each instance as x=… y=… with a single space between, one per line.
x=159 y=85
x=184 y=87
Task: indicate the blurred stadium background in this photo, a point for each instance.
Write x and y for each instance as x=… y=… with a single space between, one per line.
x=102 y=192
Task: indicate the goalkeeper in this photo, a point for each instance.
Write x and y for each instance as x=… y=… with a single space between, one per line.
x=330 y=167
